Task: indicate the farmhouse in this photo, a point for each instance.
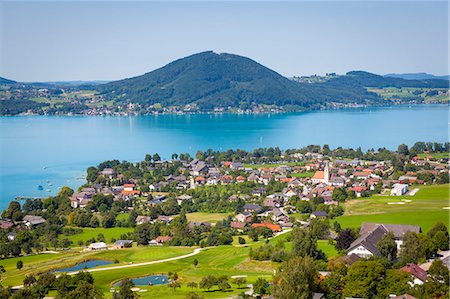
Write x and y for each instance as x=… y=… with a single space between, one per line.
x=371 y=233
x=98 y=246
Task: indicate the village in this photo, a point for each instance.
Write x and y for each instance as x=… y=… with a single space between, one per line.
x=261 y=195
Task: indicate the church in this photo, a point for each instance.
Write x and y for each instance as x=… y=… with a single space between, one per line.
x=322 y=176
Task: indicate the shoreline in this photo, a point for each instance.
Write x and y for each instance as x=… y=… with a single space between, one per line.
x=350 y=107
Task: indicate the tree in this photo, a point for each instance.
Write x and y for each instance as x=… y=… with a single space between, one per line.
x=304 y=244
x=388 y=247
x=125 y=291
x=193 y=295
x=296 y=278
x=92 y=174
x=363 y=278
x=192 y=285
x=208 y=282
x=437 y=283
x=241 y=240
x=174 y=285
x=195 y=262
x=156 y=157
x=345 y=238
x=411 y=249
x=239 y=281
x=441 y=240
x=442 y=178
x=395 y=282
x=222 y=283
x=19 y=264
x=403 y=149
x=261 y=286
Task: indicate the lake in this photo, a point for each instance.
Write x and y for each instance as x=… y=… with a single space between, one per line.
x=54 y=151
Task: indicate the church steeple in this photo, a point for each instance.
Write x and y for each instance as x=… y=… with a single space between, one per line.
x=326 y=174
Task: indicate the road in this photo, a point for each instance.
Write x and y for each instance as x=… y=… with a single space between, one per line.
x=195 y=252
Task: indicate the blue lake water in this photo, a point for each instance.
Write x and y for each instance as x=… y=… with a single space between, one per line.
x=85 y=265
x=148 y=280
x=54 y=151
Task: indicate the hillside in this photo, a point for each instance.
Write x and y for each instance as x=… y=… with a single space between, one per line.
x=221 y=80
x=6 y=81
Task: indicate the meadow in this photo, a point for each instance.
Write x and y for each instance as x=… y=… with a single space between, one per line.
x=425 y=208
x=89 y=233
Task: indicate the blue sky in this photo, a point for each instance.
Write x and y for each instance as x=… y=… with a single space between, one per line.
x=43 y=41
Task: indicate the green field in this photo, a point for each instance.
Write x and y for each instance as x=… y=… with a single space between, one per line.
x=206 y=217
x=436 y=156
x=46 y=262
x=256 y=166
x=424 y=209
x=412 y=93
x=89 y=233
x=307 y=174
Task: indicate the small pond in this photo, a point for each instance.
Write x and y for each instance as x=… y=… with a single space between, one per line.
x=85 y=265
x=148 y=280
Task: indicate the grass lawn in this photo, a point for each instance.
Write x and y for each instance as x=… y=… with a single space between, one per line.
x=424 y=209
x=206 y=217
x=256 y=166
x=436 y=156
x=307 y=174
x=89 y=232
x=327 y=248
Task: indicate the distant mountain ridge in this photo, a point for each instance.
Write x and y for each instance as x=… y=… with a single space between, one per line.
x=417 y=76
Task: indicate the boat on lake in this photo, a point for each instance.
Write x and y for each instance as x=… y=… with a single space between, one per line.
x=40 y=188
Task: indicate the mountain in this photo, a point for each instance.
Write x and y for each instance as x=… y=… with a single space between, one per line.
x=212 y=80
x=6 y=81
x=417 y=76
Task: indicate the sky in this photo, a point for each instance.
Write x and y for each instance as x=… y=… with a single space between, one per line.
x=62 y=41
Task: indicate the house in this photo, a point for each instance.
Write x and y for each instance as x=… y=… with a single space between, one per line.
x=143 y=219
x=12 y=236
x=194 y=224
x=251 y=208
x=6 y=224
x=163 y=239
x=123 y=244
x=108 y=172
x=240 y=179
x=419 y=274
x=399 y=189
x=398 y=230
x=366 y=245
x=98 y=246
x=182 y=198
x=271 y=202
x=31 y=220
x=244 y=217
x=358 y=190
x=371 y=233
x=318 y=214
x=128 y=190
x=164 y=219
x=236 y=166
x=238 y=225
x=80 y=199
x=273 y=227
